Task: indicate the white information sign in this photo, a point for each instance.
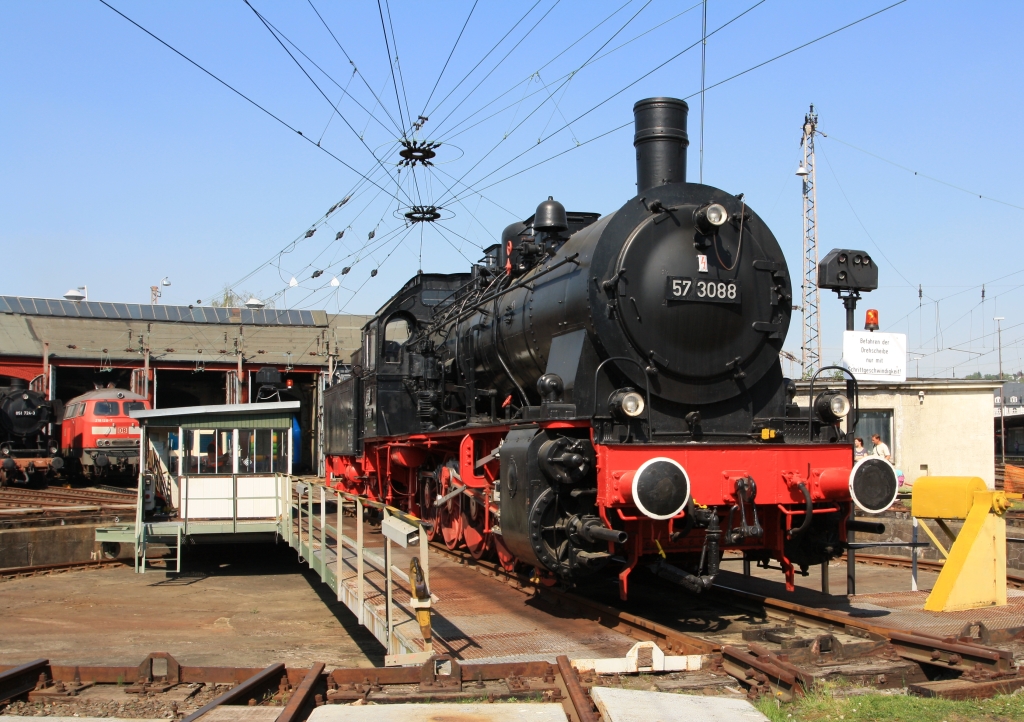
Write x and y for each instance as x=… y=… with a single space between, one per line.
x=874 y=356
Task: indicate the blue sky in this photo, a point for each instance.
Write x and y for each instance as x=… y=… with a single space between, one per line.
x=122 y=163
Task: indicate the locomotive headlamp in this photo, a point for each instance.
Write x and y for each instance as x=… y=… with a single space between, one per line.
x=716 y=214
x=5 y=449
x=832 y=406
x=708 y=218
x=626 y=402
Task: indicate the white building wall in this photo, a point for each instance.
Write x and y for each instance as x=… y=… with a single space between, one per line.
x=947 y=431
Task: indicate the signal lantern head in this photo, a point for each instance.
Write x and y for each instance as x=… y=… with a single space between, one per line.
x=843 y=269
x=871 y=320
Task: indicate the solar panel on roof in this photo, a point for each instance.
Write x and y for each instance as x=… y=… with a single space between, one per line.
x=144 y=312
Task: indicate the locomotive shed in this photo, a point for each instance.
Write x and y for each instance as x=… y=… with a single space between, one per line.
x=176 y=355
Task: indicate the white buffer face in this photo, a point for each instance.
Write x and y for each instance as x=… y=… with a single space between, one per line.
x=661 y=488
x=873 y=484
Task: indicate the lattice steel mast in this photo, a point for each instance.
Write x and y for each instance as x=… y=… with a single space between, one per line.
x=810 y=348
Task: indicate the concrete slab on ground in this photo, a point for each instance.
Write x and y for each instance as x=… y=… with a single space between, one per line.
x=242 y=606
x=17 y=718
x=633 y=705
x=479 y=712
x=242 y=713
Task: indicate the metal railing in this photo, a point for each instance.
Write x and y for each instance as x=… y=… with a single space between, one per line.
x=307 y=529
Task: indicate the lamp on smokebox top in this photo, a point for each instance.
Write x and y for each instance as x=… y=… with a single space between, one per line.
x=871 y=320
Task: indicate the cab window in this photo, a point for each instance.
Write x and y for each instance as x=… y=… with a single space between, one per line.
x=396 y=333
x=107 y=408
x=133 y=406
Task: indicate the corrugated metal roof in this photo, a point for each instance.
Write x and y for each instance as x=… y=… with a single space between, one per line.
x=119 y=340
x=174 y=314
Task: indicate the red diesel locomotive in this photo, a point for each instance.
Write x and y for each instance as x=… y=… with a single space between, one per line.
x=98 y=437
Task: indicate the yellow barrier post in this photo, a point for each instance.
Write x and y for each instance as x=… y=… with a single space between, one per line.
x=974 y=574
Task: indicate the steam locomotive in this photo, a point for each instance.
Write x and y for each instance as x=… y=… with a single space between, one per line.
x=28 y=453
x=605 y=390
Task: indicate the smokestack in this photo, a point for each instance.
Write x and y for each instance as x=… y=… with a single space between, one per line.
x=660 y=141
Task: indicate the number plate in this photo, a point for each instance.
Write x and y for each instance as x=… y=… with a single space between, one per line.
x=680 y=288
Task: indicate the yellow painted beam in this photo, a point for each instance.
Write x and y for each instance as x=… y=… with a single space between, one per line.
x=974 y=575
x=935 y=541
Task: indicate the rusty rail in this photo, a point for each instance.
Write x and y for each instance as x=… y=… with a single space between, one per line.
x=303 y=694
x=15 y=572
x=241 y=691
x=580 y=700
x=22 y=679
x=1013 y=580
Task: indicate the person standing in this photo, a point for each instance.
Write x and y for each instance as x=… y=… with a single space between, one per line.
x=859 y=452
x=881 y=449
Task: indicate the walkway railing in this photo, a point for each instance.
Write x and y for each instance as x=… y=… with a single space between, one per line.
x=346 y=563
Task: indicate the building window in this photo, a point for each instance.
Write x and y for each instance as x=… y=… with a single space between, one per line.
x=208 y=451
x=876 y=422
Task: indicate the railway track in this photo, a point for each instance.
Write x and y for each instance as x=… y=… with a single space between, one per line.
x=48 y=569
x=1015 y=581
x=16 y=502
x=780 y=647
x=295 y=692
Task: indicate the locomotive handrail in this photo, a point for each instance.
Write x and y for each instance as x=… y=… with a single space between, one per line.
x=810 y=402
x=524 y=281
x=647 y=382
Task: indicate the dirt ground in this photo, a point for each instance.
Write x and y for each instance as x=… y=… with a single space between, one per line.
x=245 y=605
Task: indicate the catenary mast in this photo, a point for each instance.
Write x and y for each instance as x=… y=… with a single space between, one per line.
x=810 y=348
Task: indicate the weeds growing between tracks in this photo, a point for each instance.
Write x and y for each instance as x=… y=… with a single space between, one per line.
x=835 y=703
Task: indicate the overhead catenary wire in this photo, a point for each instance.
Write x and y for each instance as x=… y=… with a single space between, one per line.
x=486 y=55
x=926 y=176
x=857 y=216
x=394 y=81
x=398 y=62
x=703 y=70
x=316 y=85
x=237 y=92
x=453 y=134
x=447 y=190
x=719 y=83
x=617 y=93
x=449 y=59
x=398 y=128
x=498 y=64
